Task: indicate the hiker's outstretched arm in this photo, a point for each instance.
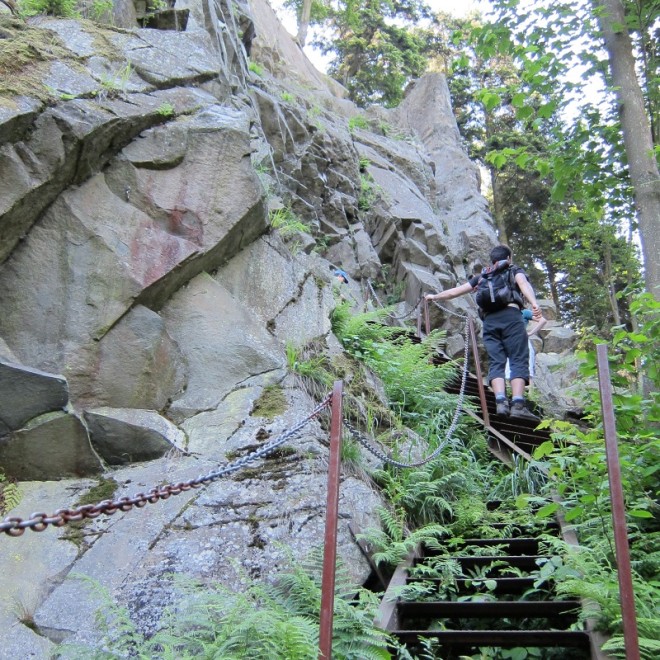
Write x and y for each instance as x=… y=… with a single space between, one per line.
x=528 y=292
x=537 y=327
x=448 y=294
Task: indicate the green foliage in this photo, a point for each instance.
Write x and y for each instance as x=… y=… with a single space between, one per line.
x=358 y=121
x=165 y=109
x=118 y=81
x=287 y=97
x=412 y=382
x=375 y=50
x=314 y=367
x=561 y=197
x=350 y=451
x=648 y=638
x=368 y=192
x=443 y=491
x=279 y=622
x=101 y=10
x=256 y=69
x=10 y=495
x=287 y=222
x=576 y=463
x=63 y=8
x=393 y=542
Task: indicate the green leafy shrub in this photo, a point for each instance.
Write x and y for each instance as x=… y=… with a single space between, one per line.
x=358 y=121
x=63 y=8
x=576 y=462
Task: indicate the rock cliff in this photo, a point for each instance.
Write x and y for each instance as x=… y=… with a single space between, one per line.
x=147 y=300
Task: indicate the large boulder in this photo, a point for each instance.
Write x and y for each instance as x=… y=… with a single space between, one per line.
x=224 y=343
x=52 y=446
x=27 y=393
x=121 y=435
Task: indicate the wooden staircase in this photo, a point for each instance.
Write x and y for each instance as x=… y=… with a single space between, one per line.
x=494 y=603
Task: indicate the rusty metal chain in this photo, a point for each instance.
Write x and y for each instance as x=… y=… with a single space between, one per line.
x=449 y=311
x=37 y=522
x=364 y=441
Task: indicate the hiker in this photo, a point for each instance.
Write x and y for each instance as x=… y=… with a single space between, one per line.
x=527 y=317
x=341 y=276
x=499 y=294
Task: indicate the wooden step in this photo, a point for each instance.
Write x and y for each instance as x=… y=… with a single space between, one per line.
x=522 y=562
x=503 y=585
x=499 y=638
x=560 y=612
x=514 y=546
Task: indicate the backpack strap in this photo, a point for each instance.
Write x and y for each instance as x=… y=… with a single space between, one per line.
x=515 y=289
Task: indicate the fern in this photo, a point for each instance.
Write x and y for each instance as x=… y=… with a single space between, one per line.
x=278 y=621
x=394 y=543
x=10 y=495
x=648 y=637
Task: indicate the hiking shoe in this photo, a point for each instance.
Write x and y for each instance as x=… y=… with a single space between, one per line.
x=502 y=407
x=518 y=409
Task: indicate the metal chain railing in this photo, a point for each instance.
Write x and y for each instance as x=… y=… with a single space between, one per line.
x=15 y=526
x=396 y=317
x=364 y=441
x=449 y=311
x=37 y=522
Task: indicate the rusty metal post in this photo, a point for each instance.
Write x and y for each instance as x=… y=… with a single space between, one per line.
x=330 y=540
x=477 y=372
x=626 y=592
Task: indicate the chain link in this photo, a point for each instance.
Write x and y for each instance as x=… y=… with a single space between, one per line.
x=364 y=441
x=449 y=311
x=403 y=317
x=37 y=522
x=373 y=293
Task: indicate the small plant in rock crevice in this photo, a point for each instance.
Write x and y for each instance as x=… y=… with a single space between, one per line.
x=287 y=222
x=10 y=495
x=358 y=121
x=257 y=69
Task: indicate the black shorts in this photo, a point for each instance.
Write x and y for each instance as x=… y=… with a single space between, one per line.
x=505 y=337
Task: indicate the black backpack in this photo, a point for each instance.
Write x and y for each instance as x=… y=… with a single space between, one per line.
x=497 y=288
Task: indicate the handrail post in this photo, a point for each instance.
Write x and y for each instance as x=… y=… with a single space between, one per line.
x=630 y=635
x=477 y=372
x=330 y=539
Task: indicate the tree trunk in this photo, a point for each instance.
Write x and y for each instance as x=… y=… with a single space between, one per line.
x=497 y=206
x=609 y=283
x=494 y=184
x=637 y=139
x=303 y=26
x=552 y=276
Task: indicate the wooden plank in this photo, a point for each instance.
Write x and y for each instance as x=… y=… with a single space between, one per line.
x=366 y=553
x=500 y=638
x=485 y=609
x=387 y=617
